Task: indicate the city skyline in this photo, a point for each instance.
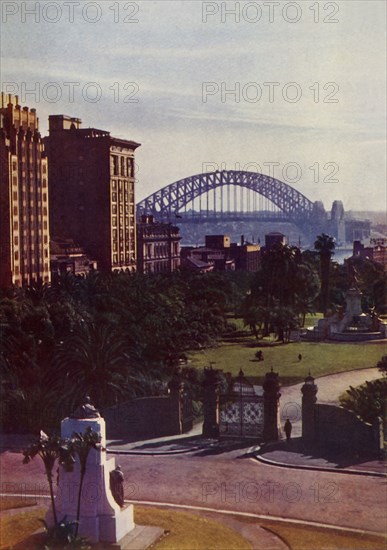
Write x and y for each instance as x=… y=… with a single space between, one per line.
x=180 y=60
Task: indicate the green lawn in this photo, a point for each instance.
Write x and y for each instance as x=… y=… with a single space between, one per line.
x=320 y=357
x=184 y=531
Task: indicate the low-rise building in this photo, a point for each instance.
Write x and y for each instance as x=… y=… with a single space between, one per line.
x=68 y=257
x=158 y=246
x=221 y=255
x=375 y=250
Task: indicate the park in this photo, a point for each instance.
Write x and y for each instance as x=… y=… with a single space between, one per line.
x=189 y=409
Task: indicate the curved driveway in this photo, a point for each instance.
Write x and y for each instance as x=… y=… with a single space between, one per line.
x=234 y=481
x=330 y=388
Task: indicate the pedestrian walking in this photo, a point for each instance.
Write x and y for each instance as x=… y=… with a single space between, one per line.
x=299 y=357
x=288 y=429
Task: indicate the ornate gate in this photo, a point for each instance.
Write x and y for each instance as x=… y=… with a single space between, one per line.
x=241 y=410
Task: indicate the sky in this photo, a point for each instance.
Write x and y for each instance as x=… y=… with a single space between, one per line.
x=291 y=89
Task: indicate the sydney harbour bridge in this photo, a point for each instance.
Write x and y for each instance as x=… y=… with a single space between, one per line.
x=230 y=195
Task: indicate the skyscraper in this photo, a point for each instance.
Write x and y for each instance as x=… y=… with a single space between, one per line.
x=92 y=191
x=24 y=223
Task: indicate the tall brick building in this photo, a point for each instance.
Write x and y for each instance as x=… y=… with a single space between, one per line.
x=92 y=197
x=24 y=223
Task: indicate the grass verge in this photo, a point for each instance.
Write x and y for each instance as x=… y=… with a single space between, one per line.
x=306 y=538
x=16 y=530
x=11 y=503
x=192 y=532
x=185 y=531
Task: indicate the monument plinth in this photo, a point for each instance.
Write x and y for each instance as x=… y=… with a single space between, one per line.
x=102 y=519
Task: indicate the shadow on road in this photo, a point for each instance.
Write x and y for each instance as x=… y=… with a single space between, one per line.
x=297 y=453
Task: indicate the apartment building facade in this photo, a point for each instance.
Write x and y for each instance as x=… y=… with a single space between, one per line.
x=24 y=200
x=92 y=191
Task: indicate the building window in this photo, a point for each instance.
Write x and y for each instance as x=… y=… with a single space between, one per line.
x=130 y=167
x=115 y=165
x=123 y=166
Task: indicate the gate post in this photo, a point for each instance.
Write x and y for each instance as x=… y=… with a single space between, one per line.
x=176 y=390
x=211 y=403
x=309 y=392
x=271 y=397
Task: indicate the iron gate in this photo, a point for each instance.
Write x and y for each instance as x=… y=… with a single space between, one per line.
x=241 y=410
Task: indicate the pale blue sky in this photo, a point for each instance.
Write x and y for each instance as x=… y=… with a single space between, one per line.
x=170 y=52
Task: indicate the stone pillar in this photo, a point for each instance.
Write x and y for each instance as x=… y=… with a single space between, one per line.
x=211 y=403
x=101 y=518
x=384 y=418
x=353 y=302
x=271 y=395
x=176 y=390
x=309 y=392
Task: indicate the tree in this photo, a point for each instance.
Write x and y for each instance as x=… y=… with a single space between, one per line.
x=367 y=401
x=50 y=449
x=81 y=444
x=382 y=365
x=325 y=246
x=94 y=361
x=283 y=289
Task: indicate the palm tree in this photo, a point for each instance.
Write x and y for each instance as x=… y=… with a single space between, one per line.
x=50 y=449
x=325 y=246
x=81 y=445
x=94 y=361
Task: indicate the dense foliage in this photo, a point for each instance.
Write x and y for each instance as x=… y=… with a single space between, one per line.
x=112 y=336
x=283 y=291
x=119 y=336
x=367 y=401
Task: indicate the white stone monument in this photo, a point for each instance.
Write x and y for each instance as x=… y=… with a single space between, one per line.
x=101 y=518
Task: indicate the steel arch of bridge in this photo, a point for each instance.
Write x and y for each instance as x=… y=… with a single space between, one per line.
x=169 y=200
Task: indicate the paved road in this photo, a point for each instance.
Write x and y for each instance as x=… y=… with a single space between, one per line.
x=234 y=481
x=231 y=481
x=329 y=390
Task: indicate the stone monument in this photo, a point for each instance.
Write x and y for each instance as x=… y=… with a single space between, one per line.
x=211 y=403
x=271 y=396
x=102 y=519
x=309 y=393
x=350 y=325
